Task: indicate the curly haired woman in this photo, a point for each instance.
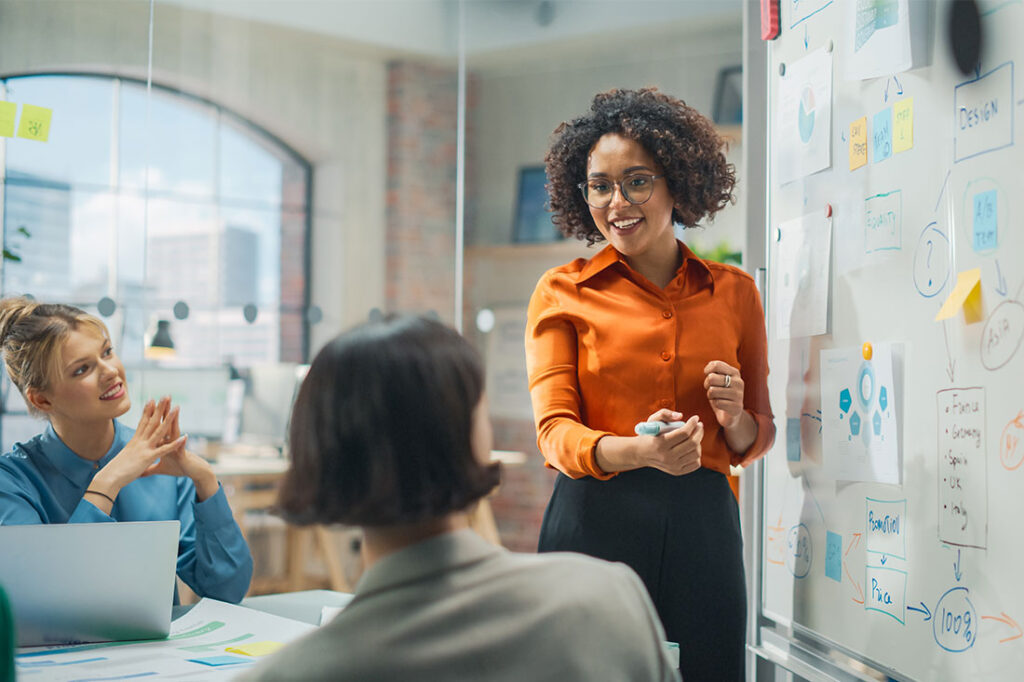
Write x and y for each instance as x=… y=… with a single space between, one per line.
x=646 y=331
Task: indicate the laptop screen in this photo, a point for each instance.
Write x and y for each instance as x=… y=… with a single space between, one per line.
x=89 y=582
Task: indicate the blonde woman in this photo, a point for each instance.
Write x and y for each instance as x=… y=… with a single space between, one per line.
x=86 y=467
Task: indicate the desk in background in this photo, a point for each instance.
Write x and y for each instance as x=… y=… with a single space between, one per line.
x=251 y=485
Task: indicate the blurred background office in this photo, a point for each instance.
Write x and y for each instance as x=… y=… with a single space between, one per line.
x=228 y=184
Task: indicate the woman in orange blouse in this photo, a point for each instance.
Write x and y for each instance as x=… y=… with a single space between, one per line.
x=645 y=330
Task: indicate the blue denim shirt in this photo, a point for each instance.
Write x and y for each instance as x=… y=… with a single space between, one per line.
x=43 y=480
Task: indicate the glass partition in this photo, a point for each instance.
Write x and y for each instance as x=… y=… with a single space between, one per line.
x=260 y=176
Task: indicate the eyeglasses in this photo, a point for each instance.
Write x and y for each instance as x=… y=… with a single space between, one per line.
x=636 y=189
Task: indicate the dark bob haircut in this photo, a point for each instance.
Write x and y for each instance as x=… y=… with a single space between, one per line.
x=381 y=431
x=683 y=141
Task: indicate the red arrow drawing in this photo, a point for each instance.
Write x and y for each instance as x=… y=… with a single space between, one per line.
x=1006 y=620
x=853 y=543
x=860 y=592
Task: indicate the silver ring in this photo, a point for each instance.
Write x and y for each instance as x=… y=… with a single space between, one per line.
x=728 y=380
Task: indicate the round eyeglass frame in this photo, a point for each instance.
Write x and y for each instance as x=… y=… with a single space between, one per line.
x=618 y=183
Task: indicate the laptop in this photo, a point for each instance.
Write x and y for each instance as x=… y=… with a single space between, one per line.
x=89 y=582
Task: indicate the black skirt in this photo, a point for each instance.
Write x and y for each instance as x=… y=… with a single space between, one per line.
x=681 y=534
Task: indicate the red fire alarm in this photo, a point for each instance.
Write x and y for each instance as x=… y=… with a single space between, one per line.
x=769 y=19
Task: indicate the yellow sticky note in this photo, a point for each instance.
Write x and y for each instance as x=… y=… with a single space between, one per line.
x=35 y=122
x=903 y=125
x=967 y=295
x=255 y=648
x=8 y=111
x=859 y=143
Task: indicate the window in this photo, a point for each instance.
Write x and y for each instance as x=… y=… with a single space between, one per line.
x=154 y=200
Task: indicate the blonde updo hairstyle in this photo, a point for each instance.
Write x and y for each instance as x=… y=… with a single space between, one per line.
x=32 y=338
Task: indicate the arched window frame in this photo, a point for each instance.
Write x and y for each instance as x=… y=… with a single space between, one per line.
x=297 y=352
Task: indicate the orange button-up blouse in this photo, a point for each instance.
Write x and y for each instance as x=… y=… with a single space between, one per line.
x=605 y=348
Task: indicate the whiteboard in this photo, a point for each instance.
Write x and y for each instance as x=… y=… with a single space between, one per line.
x=919 y=576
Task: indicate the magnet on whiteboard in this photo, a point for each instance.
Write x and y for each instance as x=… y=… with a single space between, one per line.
x=867 y=351
x=778 y=234
x=828 y=46
x=782 y=69
x=828 y=210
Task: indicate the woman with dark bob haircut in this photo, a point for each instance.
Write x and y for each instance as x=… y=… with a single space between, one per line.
x=390 y=432
x=645 y=331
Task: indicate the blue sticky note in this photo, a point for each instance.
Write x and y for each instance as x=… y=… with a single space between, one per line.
x=881 y=136
x=834 y=556
x=793 y=440
x=986 y=220
x=221 y=660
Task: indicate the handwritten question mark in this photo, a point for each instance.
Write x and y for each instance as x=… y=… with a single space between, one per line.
x=928 y=263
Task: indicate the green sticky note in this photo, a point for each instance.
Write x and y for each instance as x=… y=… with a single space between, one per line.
x=8 y=111
x=35 y=123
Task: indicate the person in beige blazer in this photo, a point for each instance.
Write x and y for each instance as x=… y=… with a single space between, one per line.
x=390 y=432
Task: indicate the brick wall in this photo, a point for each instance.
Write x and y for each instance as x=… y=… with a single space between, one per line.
x=525 y=488
x=293 y=264
x=420 y=250
x=422 y=156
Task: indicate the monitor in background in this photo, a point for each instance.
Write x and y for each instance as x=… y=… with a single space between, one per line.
x=200 y=392
x=266 y=411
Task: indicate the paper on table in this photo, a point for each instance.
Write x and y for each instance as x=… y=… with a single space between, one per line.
x=203 y=634
x=255 y=649
x=327 y=613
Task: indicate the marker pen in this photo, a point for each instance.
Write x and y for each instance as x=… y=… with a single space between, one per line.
x=654 y=428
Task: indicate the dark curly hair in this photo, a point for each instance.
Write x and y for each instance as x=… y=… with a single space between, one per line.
x=683 y=141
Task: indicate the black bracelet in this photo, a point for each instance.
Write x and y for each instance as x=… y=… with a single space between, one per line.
x=97 y=492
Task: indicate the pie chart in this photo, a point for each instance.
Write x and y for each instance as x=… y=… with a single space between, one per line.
x=805 y=121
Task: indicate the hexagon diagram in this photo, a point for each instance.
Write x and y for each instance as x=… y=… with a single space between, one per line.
x=883 y=398
x=876 y=422
x=844 y=400
x=854 y=424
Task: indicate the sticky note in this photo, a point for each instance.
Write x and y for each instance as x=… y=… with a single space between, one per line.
x=903 y=125
x=859 y=143
x=793 y=439
x=214 y=661
x=35 y=123
x=881 y=136
x=986 y=222
x=834 y=556
x=967 y=295
x=8 y=112
x=255 y=648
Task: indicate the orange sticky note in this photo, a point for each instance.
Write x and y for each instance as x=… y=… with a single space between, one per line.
x=8 y=112
x=967 y=295
x=35 y=123
x=859 y=143
x=903 y=125
x=255 y=648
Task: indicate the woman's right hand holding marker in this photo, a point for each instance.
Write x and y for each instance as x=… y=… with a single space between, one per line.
x=677 y=451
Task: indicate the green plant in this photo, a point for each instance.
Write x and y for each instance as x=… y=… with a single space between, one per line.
x=10 y=255
x=721 y=252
